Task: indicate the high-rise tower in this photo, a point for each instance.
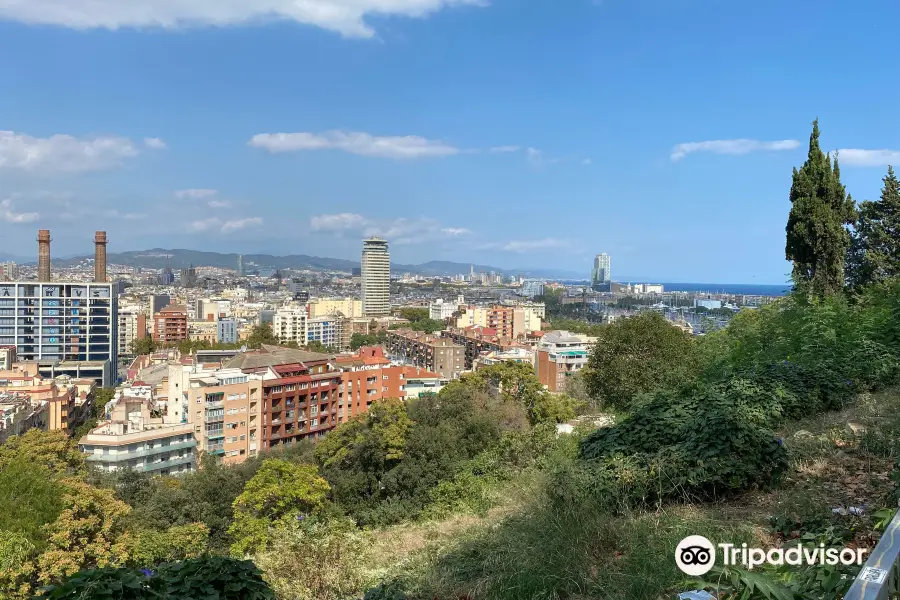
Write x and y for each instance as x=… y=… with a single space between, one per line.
x=376 y=278
x=601 y=273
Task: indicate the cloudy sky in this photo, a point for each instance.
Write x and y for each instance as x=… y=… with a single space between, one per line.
x=511 y=133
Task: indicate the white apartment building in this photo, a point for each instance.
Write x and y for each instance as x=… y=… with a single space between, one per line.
x=326 y=307
x=133 y=440
x=376 y=278
x=131 y=321
x=9 y=271
x=289 y=324
x=440 y=310
x=327 y=330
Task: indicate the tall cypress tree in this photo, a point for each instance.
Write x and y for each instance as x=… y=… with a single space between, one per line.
x=875 y=251
x=817 y=234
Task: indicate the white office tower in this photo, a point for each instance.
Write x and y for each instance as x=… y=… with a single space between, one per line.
x=602 y=272
x=376 y=278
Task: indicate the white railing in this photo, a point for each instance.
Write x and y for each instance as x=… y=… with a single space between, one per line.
x=879 y=578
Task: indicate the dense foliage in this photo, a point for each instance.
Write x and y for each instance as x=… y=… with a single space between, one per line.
x=874 y=254
x=639 y=354
x=817 y=234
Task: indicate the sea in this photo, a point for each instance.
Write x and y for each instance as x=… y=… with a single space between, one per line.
x=746 y=289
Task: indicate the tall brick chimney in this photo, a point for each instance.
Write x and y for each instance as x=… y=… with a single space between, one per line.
x=43 y=254
x=100 y=256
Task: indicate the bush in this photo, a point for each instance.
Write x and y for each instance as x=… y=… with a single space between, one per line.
x=106 y=584
x=315 y=559
x=700 y=442
x=213 y=578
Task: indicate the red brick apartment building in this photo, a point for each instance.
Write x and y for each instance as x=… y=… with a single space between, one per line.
x=170 y=324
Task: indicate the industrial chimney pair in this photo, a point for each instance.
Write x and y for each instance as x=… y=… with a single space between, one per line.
x=44 y=255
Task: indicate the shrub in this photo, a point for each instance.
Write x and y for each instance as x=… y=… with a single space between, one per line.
x=315 y=559
x=700 y=442
x=214 y=578
x=106 y=584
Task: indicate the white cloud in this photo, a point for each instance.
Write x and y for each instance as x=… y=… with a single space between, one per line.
x=741 y=146
x=364 y=144
x=497 y=149
x=8 y=214
x=239 y=224
x=217 y=224
x=63 y=153
x=203 y=225
x=347 y=17
x=401 y=231
x=195 y=193
x=338 y=222
x=153 y=143
x=455 y=231
x=218 y=203
x=868 y=158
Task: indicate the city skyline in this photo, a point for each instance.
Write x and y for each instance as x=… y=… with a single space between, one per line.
x=473 y=145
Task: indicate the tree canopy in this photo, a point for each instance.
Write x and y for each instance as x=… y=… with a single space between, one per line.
x=874 y=254
x=817 y=233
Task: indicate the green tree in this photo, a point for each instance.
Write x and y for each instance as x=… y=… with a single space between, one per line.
x=817 y=234
x=144 y=345
x=52 y=450
x=150 y=547
x=639 y=354
x=84 y=534
x=280 y=491
x=30 y=498
x=518 y=383
x=874 y=254
x=261 y=334
x=414 y=314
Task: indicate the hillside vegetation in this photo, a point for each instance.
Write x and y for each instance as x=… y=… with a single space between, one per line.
x=782 y=426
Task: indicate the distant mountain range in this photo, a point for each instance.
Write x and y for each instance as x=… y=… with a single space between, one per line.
x=159 y=258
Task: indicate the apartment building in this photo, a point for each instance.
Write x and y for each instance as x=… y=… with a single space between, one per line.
x=227 y=331
x=132 y=439
x=326 y=307
x=9 y=271
x=132 y=326
x=438 y=355
x=170 y=324
x=368 y=376
x=511 y=321
x=333 y=331
x=203 y=331
x=61 y=322
x=289 y=324
x=300 y=396
x=224 y=408
x=67 y=401
x=479 y=340
x=494 y=357
x=212 y=310
x=559 y=355
x=439 y=310
x=19 y=413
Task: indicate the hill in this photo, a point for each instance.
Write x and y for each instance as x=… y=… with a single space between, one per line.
x=158 y=258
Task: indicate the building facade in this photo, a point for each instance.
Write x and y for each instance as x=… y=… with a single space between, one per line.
x=134 y=440
x=170 y=324
x=376 y=278
x=132 y=326
x=225 y=411
x=9 y=271
x=602 y=273
x=60 y=321
x=289 y=324
x=440 y=310
x=227 y=331
x=558 y=356
x=330 y=331
x=441 y=356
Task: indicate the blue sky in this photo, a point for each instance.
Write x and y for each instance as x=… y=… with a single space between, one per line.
x=513 y=133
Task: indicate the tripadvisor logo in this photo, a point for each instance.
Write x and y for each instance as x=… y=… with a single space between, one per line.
x=695 y=555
